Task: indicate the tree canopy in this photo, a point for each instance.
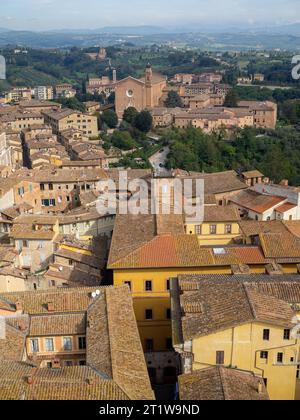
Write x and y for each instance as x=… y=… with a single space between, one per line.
x=276 y=153
x=123 y=140
x=110 y=118
x=143 y=121
x=173 y=100
x=130 y=115
x=231 y=100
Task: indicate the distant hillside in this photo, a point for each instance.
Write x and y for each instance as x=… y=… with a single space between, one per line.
x=206 y=37
x=134 y=30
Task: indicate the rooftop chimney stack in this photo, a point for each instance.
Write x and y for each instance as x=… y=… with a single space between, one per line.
x=56 y=364
x=29 y=380
x=50 y=306
x=19 y=306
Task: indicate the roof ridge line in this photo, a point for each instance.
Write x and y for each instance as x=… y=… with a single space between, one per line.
x=249 y=299
x=110 y=346
x=222 y=380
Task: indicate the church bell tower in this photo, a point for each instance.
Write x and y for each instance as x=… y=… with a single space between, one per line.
x=148 y=86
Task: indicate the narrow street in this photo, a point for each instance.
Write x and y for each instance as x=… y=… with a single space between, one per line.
x=158 y=162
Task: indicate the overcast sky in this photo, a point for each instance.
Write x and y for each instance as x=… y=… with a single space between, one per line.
x=67 y=14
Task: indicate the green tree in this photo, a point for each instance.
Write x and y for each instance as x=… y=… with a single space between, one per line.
x=110 y=118
x=130 y=115
x=290 y=110
x=123 y=140
x=143 y=121
x=173 y=100
x=72 y=103
x=231 y=100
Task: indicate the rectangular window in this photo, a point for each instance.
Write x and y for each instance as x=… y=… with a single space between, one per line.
x=168 y=284
x=45 y=203
x=68 y=363
x=279 y=357
x=198 y=230
x=21 y=191
x=67 y=343
x=148 y=285
x=213 y=229
x=49 y=344
x=264 y=355
x=287 y=334
x=169 y=344
x=42 y=187
x=51 y=187
x=34 y=346
x=82 y=363
x=128 y=283
x=168 y=313
x=228 y=229
x=82 y=343
x=148 y=314
x=266 y=335
x=149 y=345
x=220 y=357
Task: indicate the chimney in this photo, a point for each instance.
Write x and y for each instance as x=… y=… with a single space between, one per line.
x=56 y=364
x=50 y=306
x=22 y=326
x=260 y=388
x=239 y=269
x=274 y=269
x=19 y=306
x=29 y=379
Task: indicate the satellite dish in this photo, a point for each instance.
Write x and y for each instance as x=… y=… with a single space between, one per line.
x=98 y=292
x=60 y=269
x=94 y=295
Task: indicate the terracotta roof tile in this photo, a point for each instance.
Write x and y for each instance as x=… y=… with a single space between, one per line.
x=69 y=383
x=254 y=228
x=219 y=383
x=280 y=245
x=259 y=203
x=225 y=305
x=168 y=251
x=52 y=325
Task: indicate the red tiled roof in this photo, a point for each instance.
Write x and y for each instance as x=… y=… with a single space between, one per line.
x=258 y=203
x=285 y=207
x=249 y=255
x=168 y=251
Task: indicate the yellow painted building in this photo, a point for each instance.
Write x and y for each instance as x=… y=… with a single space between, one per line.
x=150 y=252
x=148 y=261
x=247 y=325
x=220 y=226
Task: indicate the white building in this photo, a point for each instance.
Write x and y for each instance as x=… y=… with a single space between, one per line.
x=43 y=93
x=268 y=202
x=5 y=151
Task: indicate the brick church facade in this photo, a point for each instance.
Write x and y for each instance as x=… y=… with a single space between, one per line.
x=140 y=93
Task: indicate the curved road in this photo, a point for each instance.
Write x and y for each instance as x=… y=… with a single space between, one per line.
x=158 y=162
